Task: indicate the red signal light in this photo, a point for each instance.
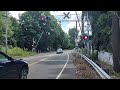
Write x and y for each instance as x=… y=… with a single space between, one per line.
x=41 y=18
x=85 y=37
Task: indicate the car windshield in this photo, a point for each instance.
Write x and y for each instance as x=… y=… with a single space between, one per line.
x=61 y=41
x=2 y=58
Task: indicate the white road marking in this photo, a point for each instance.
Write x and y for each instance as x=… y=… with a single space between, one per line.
x=32 y=57
x=63 y=68
x=36 y=62
x=55 y=60
x=39 y=60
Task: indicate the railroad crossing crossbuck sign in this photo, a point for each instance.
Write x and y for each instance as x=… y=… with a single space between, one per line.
x=66 y=15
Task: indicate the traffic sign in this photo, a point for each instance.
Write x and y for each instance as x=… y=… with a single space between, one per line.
x=66 y=15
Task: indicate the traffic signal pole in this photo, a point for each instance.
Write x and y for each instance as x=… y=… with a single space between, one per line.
x=38 y=40
x=6 y=36
x=76 y=36
x=116 y=43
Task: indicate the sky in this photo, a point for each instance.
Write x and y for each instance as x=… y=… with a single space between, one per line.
x=65 y=25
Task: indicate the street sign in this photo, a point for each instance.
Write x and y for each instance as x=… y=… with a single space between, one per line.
x=66 y=15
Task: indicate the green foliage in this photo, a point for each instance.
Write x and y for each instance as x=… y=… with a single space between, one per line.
x=71 y=46
x=72 y=35
x=11 y=29
x=101 y=22
x=17 y=52
x=29 y=26
x=94 y=56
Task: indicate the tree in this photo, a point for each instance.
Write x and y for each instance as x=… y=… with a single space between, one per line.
x=3 y=28
x=16 y=29
x=101 y=22
x=31 y=27
x=101 y=29
x=116 y=43
x=72 y=34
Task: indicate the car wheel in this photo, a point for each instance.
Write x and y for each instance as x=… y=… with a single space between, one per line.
x=24 y=72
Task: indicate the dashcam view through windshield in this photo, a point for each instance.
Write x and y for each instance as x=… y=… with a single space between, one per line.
x=59 y=45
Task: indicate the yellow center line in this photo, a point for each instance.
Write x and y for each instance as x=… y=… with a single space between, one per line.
x=37 y=62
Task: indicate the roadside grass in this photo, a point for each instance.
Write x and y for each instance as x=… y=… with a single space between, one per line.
x=17 y=52
x=106 y=67
x=84 y=70
x=112 y=73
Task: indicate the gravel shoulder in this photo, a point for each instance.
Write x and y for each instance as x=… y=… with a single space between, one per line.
x=83 y=69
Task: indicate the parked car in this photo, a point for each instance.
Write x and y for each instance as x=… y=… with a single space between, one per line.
x=59 y=50
x=11 y=68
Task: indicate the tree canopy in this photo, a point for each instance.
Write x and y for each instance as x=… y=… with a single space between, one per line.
x=21 y=32
x=101 y=24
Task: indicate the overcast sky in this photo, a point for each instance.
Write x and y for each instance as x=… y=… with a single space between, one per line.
x=65 y=25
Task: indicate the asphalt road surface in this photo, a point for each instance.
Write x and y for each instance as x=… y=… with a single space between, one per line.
x=51 y=66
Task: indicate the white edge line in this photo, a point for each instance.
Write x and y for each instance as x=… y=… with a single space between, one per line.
x=56 y=60
x=63 y=68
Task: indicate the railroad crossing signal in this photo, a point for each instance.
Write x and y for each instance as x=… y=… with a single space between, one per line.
x=66 y=15
x=48 y=18
x=85 y=37
x=41 y=18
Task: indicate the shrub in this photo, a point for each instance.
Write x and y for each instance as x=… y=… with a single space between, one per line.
x=94 y=56
x=17 y=52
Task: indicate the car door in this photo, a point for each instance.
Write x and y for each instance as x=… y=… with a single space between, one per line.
x=8 y=69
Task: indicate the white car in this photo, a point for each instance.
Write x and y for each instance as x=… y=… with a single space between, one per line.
x=59 y=51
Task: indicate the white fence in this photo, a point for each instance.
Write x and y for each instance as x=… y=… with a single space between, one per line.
x=106 y=57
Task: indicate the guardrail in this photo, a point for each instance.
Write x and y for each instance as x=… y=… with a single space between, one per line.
x=100 y=71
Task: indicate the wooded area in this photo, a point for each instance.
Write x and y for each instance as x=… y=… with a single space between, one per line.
x=21 y=32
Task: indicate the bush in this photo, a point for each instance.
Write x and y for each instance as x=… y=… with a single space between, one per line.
x=71 y=46
x=2 y=49
x=94 y=56
x=17 y=52
x=10 y=47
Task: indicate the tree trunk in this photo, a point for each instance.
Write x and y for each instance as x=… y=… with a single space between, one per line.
x=116 y=43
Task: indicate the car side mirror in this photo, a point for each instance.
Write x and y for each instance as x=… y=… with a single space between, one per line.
x=21 y=59
x=11 y=59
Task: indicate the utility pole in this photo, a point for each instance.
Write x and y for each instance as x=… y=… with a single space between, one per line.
x=76 y=35
x=116 y=43
x=89 y=41
x=6 y=39
x=82 y=21
x=33 y=45
x=82 y=31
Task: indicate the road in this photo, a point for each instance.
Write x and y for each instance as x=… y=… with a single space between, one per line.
x=51 y=66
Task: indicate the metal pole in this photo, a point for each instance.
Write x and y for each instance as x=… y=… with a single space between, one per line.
x=88 y=43
x=33 y=46
x=76 y=35
x=6 y=39
x=82 y=30
x=115 y=43
x=38 y=40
